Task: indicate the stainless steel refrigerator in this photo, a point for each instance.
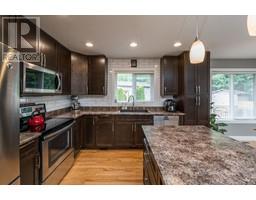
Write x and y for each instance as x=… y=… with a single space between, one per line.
x=9 y=119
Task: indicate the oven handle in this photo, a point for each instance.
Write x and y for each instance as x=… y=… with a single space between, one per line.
x=47 y=137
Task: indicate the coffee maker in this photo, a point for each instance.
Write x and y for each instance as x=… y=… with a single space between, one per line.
x=170 y=105
x=75 y=103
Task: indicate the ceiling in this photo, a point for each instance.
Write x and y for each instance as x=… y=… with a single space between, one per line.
x=224 y=36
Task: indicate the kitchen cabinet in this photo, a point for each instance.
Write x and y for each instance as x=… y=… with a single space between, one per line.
x=88 y=132
x=104 y=131
x=78 y=135
x=169 y=75
x=151 y=172
x=79 y=74
x=97 y=75
x=138 y=131
x=194 y=90
x=124 y=132
x=48 y=51
x=29 y=163
x=64 y=67
x=89 y=74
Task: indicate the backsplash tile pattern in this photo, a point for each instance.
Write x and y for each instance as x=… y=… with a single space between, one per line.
x=52 y=102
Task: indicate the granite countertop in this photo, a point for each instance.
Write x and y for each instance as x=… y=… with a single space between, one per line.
x=28 y=136
x=77 y=114
x=198 y=155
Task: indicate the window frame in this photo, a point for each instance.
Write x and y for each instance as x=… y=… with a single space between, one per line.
x=232 y=71
x=134 y=71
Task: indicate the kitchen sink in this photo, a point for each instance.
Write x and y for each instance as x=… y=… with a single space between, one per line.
x=134 y=111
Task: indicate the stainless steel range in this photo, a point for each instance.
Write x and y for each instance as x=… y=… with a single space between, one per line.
x=57 y=153
x=56 y=145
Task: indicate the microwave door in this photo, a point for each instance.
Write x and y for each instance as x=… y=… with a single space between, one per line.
x=33 y=80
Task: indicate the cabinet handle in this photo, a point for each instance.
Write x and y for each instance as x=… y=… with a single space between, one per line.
x=196 y=90
x=38 y=162
x=199 y=90
x=199 y=101
x=113 y=128
x=44 y=60
x=93 y=122
x=165 y=89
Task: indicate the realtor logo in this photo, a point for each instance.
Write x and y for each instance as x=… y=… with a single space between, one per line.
x=22 y=34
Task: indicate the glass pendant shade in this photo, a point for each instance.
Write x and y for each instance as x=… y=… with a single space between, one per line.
x=251 y=25
x=197 y=52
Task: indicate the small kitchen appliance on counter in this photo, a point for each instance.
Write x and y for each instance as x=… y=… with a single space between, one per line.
x=170 y=105
x=75 y=103
x=32 y=116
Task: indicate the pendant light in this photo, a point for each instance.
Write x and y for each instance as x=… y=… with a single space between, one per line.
x=197 y=50
x=251 y=25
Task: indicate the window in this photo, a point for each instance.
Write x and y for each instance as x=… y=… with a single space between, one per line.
x=137 y=84
x=234 y=94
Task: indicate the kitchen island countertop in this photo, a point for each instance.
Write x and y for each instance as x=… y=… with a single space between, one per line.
x=198 y=155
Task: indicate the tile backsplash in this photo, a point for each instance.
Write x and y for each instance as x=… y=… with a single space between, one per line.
x=52 y=102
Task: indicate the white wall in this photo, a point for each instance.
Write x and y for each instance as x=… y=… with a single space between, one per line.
x=124 y=64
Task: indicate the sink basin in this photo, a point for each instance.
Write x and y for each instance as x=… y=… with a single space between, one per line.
x=134 y=111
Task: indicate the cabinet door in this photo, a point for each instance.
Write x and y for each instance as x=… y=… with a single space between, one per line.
x=190 y=108
x=97 y=75
x=64 y=67
x=138 y=132
x=189 y=76
x=88 y=133
x=124 y=133
x=77 y=135
x=104 y=131
x=203 y=93
x=79 y=74
x=48 y=48
x=169 y=75
x=29 y=163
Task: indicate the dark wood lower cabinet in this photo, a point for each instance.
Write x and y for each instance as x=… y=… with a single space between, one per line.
x=29 y=163
x=109 y=131
x=124 y=133
x=78 y=135
x=104 y=131
x=138 y=131
x=151 y=172
x=88 y=132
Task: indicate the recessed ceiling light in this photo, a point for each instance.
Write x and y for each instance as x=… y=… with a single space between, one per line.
x=133 y=44
x=177 y=44
x=89 y=44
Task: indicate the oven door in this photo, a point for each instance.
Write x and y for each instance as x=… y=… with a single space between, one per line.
x=55 y=148
x=38 y=79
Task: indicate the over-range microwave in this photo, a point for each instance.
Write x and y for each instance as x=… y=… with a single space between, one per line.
x=36 y=79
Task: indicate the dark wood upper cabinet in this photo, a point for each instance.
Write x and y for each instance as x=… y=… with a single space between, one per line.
x=97 y=75
x=194 y=87
x=79 y=74
x=169 y=75
x=104 y=131
x=29 y=163
x=64 y=67
x=49 y=51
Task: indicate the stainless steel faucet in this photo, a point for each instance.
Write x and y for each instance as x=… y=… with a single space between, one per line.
x=133 y=100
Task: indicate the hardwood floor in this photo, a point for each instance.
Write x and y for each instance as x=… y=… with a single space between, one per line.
x=107 y=167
